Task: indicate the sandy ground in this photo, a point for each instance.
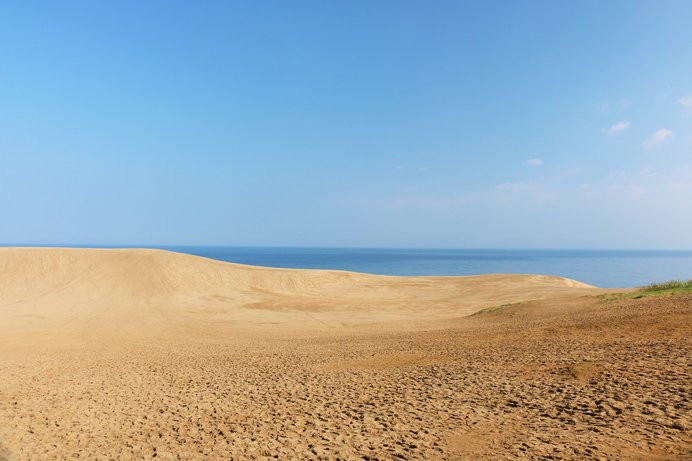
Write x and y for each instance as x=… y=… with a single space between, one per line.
x=138 y=354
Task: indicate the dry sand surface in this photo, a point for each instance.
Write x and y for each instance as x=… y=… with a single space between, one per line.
x=141 y=354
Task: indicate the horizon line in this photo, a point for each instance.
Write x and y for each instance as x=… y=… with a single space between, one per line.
x=325 y=247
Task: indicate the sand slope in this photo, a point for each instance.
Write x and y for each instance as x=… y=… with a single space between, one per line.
x=130 y=292
x=150 y=355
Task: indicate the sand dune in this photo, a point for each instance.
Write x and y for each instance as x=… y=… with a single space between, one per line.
x=142 y=354
x=152 y=291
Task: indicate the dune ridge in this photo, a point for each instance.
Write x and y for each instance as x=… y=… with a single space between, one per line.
x=150 y=291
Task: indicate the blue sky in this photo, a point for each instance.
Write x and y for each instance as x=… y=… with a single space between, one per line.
x=534 y=124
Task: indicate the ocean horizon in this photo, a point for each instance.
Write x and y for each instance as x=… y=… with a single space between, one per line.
x=603 y=268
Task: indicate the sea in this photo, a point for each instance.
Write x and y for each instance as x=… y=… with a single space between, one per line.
x=603 y=268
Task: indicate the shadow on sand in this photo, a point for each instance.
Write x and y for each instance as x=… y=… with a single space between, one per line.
x=4 y=453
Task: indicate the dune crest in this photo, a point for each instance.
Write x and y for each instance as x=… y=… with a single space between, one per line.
x=149 y=291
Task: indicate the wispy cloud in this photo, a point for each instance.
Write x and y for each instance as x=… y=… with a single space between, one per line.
x=686 y=102
x=626 y=189
x=517 y=186
x=666 y=186
x=622 y=104
x=617 y=128
x=534 y=162
x=658 y=138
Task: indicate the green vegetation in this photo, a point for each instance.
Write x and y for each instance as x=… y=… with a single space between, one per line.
x=493 y=309
x=670 y=287
x=677 y=286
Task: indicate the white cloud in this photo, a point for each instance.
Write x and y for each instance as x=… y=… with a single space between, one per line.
x=622 y=104
x=657 y=138
x=617 y=128
x=623 y=193
x=534 y=162
x=666 y=186
x=686 y=102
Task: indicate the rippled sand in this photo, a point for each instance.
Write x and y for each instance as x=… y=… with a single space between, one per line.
x=140 y=355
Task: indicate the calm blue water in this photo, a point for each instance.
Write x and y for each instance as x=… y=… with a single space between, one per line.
x=604 y=268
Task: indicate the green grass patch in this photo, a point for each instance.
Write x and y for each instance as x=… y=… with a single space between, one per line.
x=488 y=310
x=670 y=287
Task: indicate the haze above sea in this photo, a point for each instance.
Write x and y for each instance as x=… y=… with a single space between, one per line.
x=603 y=268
